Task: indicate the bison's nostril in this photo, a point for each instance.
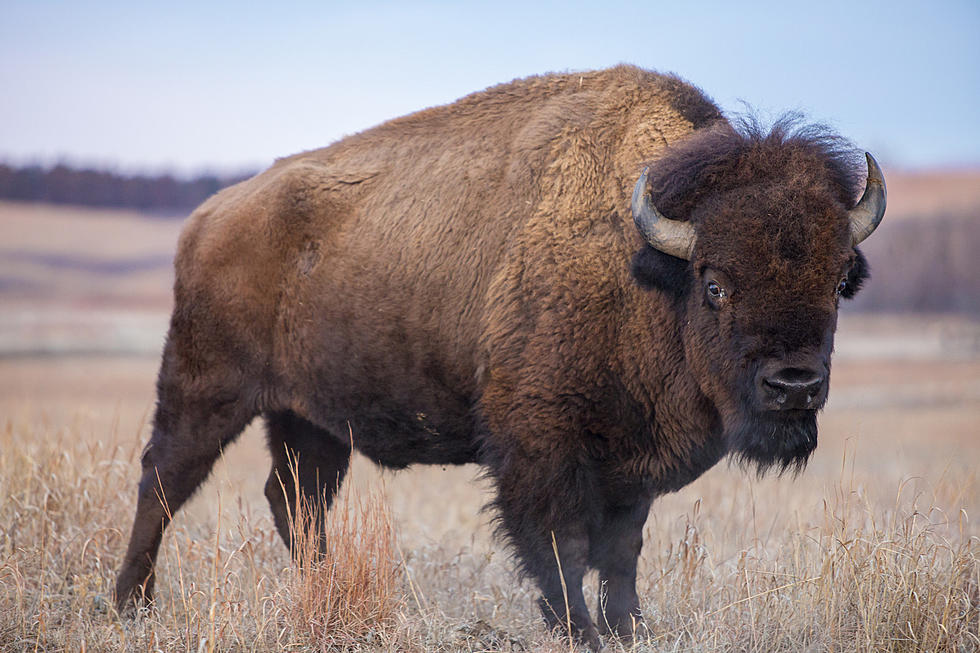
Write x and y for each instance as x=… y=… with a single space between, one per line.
x=793 y=388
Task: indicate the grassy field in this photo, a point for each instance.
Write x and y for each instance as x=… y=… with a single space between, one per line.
x=875 y=547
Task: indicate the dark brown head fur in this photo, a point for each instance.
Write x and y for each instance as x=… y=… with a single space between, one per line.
x=770 y=209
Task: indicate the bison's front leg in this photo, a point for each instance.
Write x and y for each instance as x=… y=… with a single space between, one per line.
x=545 y=515
x=615 y=551
x=560 y=580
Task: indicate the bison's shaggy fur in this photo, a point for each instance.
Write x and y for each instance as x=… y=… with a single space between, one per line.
x=466 y=284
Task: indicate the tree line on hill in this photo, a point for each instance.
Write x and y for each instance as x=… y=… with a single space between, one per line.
x=63 y=184
x=926 y=264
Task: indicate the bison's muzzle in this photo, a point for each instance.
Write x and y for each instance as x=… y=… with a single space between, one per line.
x=790 y=388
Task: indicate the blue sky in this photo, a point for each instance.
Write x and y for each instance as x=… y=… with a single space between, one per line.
x=186 y=86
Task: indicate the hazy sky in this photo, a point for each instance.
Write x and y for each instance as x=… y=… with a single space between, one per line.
x=230 y=85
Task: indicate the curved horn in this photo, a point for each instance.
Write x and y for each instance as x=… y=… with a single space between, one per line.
x=870 y=209
x=669 y=236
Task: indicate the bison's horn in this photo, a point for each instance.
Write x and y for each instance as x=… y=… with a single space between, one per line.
x=871 y=207
x=669 y=236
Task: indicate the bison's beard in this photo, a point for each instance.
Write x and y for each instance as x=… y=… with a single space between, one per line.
x=773 y=438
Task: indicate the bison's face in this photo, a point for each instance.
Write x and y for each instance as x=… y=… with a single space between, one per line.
x=760 y=314
x=758 y=297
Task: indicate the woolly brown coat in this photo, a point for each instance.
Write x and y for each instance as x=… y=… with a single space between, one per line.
x=466 y=284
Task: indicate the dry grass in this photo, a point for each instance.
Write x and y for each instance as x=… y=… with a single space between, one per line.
x=872 y=549
x=852 y=577
x=230 y=584
x=343 y=589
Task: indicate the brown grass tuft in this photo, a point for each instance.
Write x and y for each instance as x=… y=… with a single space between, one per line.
x=344 y=587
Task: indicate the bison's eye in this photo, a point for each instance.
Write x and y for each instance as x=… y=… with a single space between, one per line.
x=717 y=287
x=842 y=286
x=716 y=293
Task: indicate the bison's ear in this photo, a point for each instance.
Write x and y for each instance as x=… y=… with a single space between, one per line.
x=654 y=270
x=859 y=273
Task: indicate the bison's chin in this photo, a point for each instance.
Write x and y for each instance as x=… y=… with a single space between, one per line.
x=783 y=439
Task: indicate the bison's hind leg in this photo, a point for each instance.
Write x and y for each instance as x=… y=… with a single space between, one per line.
x=309 y=457
x=196 y=416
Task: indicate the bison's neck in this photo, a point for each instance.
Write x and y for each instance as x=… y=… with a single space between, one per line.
x=678 y=434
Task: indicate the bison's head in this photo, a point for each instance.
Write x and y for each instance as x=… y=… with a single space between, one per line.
x=760 y=247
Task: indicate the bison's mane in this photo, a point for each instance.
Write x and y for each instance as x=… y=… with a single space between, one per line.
x=744 y=152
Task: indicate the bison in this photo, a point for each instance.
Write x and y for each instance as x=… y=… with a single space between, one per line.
x=593 y=285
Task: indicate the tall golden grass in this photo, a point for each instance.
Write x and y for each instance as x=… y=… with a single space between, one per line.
x=856 y=574
x=856 y=577
x=343 y=589
x=64 y=505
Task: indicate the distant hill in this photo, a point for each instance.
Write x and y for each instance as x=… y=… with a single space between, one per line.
x=62 y=184
x=924 y=255
x=933 y=192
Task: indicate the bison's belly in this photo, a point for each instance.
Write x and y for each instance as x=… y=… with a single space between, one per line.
x=393 y=415
x=394 y=436
x=398 y=440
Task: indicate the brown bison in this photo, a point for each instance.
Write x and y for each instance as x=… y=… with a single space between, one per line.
x=592 y=285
